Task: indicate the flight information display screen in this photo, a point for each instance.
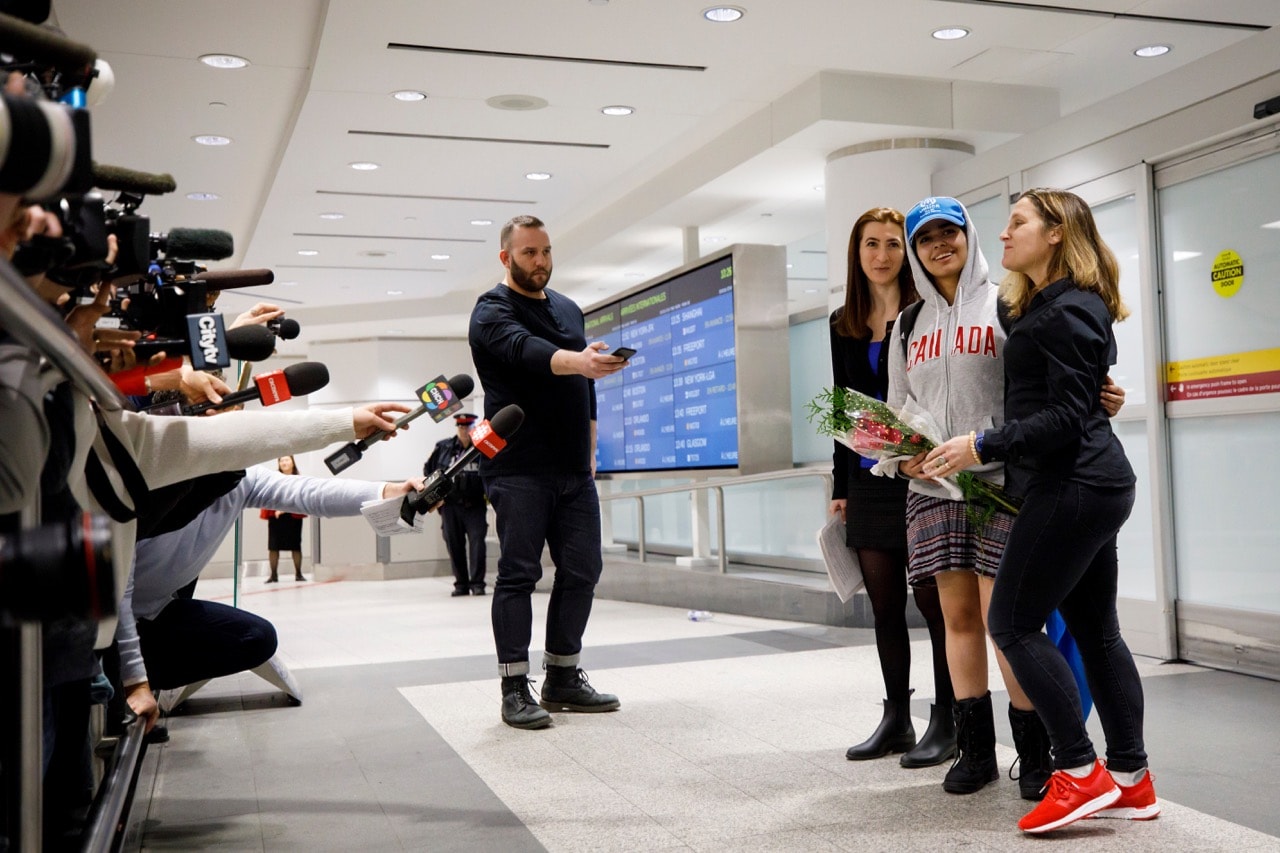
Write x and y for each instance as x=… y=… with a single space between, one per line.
x=675 y=405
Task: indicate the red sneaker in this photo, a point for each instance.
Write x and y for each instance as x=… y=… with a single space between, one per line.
x=1069 y=799
x=1137 y=802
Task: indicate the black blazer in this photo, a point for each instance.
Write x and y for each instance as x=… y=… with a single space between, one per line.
x=851 y=368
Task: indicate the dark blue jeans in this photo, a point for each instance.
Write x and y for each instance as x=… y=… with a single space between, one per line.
x=1062 y=553
x=562 y=511
x=193 y=640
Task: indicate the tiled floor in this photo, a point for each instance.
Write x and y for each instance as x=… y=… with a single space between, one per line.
x=731 y=737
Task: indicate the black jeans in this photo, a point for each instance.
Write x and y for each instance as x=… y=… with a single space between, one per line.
x=562 y=511
x=464 y=529
x=1062 y=553
x=193 y=640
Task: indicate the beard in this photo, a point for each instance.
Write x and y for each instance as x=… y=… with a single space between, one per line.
x=532 y=282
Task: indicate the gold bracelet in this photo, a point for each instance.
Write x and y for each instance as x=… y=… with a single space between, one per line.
x=973 y=446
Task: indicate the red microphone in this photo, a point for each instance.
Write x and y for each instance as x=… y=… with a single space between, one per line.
x=273 y=387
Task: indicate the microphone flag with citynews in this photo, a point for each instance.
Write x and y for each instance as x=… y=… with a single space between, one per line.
x=439 y=398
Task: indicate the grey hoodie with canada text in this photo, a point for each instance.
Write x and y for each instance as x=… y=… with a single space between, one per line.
x=953 y=365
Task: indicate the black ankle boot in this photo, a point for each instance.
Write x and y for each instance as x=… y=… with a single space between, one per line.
x=975 y=764
x=894 y=734
x=567 y=689
x=1035 y=764
x=938 y=743
x=518 y=708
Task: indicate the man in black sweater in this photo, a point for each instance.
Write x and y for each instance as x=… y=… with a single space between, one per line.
x=529 y=347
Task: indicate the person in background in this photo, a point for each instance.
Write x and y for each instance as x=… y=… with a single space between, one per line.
x=1061 y=455
x=873 y=508
x=529 y=346
x=284 y=530
x=464 y=518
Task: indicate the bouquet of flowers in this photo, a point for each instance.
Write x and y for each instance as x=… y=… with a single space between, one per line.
x=874 y=429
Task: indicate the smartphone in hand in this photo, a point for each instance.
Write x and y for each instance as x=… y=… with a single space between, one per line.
x=623 y=353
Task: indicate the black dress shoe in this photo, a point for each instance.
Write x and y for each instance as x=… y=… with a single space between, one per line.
x=478 y=591
x=458 y=592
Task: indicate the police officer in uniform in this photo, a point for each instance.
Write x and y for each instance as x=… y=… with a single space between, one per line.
x=464 y=515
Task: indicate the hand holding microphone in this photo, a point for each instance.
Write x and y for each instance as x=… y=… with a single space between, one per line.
x=273 y=387
x=440 y=397
x=488 y=437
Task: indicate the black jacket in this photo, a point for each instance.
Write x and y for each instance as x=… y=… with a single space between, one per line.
x=1055 y=361
x=468 y=488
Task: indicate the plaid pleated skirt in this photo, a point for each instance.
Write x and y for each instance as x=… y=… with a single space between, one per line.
x=876 y=512
x=942 y=538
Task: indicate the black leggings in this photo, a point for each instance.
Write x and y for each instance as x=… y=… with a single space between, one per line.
x=885 y=576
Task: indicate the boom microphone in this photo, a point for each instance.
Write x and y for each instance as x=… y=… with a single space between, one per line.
x=34 y=43
x=120 y=179
x=442 y=400
x=231 y=279
x=195 y=244
x=488 y=438
x=273 y=387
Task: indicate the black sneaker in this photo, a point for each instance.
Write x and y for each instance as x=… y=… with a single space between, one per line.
x=567 y=689
x=518 y=708
x=459 y=592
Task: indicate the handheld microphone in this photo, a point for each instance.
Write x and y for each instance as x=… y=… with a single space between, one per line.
x=488 y=437
x=272 y=387
x=231 y=279
x=120 y=179
x=134 y=380
x=250 y=343
x=284 y=328
x=440 y=401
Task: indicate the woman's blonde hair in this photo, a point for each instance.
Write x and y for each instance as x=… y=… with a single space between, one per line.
x=1081 y=254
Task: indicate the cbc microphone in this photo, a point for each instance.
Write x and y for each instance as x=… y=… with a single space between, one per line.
x=488 y=437
x=442 y=402
x=273 y=387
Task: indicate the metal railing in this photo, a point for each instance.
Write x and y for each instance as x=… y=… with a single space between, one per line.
x=110 y=813
x=717 y=486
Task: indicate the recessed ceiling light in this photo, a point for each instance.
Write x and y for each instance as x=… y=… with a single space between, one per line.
x=395 y=293
x=723 y=14
x=224 y=60
x=363 y=166
x=482 y=222
x=538 y=176
x=1273 y=225
x=819 y=187
x=618 y=110
x=789 y=266
x=210 y=139
x=1149 y=50
x=409 y=95
x=307 y=252
x=950 y=33
x=333 y=215
x=203 y=196
x=811 y=290
x=1186 y=256
x=287 y=283
x=395 y=331
x=715 y=238
x=376 y=253
x=519 y=103
x=439 y=257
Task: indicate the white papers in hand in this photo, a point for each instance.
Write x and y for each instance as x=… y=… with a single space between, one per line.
x=841 y=560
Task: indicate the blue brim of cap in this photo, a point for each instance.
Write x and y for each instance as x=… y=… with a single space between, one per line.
x=954 y=220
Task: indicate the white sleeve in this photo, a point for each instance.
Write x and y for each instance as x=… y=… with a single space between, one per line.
x=132 y=668
x=326 y=498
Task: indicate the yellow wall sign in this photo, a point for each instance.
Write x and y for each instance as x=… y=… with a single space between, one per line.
x=1230 y=375
x=1228 y=273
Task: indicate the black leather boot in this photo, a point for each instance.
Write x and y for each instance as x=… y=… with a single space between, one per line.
x=518 y=708
x=1035 y=764
x=938 y=743
x=567 y=689
x=894 y=734
x=975 y=764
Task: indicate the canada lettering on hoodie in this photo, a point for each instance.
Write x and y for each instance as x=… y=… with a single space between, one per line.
x=952 y=366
